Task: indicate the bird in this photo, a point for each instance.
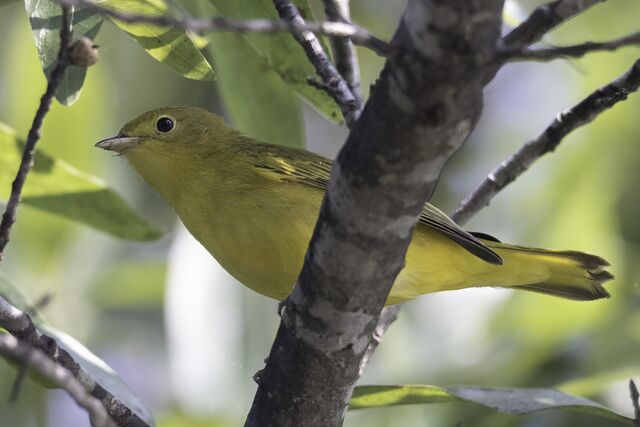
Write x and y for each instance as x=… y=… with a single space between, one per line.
x=253 y=206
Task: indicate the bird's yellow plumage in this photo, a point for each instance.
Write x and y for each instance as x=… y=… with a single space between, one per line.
x=254 y=206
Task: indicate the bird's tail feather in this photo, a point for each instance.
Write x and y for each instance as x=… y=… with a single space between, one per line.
x=571 y=274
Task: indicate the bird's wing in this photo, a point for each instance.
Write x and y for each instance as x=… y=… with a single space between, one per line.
x=311 y=169
x=307 y=168
x=438 y=220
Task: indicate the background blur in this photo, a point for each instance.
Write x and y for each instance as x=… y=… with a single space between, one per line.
x=187 y=338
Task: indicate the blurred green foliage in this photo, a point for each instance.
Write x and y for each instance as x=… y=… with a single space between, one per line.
x=130 y=286
x=109 y=293
x=246 y=75
x=83 y=357
x=56 y=187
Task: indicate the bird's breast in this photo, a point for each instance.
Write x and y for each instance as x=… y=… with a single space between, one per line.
x=260 y=237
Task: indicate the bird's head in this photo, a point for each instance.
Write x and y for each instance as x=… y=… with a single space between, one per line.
x=167 y=145
x=170 y=131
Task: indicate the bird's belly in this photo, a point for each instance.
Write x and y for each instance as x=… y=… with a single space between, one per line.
x=268 y=260
x=263 y=247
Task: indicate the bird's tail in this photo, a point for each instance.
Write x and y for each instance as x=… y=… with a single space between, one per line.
x=567 y=274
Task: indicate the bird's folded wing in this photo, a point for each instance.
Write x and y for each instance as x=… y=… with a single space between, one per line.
x=290 y=164
x=436 y=219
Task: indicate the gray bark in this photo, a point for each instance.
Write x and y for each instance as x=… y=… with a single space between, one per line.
x=425 y=104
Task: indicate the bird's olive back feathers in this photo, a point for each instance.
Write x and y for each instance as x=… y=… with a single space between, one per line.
x=308 y=168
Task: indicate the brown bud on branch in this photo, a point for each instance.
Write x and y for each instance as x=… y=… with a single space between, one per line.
x=83 y=52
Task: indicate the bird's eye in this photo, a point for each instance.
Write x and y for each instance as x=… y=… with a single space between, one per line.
x=164 y=124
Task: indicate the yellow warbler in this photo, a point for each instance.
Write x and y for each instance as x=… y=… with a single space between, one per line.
x=254 y=205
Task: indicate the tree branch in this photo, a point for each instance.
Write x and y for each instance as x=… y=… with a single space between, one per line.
x=344 y=52
x=19 y=324
x=32 y=358
x=332 y=81
x=581 y=114
x=388 y=315
x=635 y=396
x=219 y=23
x=544 y=19
x=426 y=101
x=575 y=51
x=9 y=217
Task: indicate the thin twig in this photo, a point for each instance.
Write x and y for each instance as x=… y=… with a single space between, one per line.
x=20 y=325
x=579 y=115
x=218 y=23
x=635 y=396
x=16 y=387
x=47 y=369
x=575 y=51
x=388 y=315
x=333 y=83
x=9 y=217
x=344 y=51
x=544 y=19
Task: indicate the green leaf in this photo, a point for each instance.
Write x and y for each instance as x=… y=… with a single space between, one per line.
x=280 y=53
x=45 y=17
x=260 y=104
x=97 y=369
x=530 y=400
x=171 y=46
x=376 y=396
x=506 y=400
x=56 y=187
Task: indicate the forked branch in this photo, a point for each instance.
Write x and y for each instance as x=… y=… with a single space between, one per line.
x=544 y=19
x=34 y=359
x=579 y=115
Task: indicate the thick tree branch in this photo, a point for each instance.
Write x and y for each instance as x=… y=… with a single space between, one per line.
x=332 y=81
x=19 y=324
x=32 y=358
x=427 y=100
x=219 y=23
x=544 y=19
x=344 y=52
x=575 y=51
x=11 y=210
x=579 y=115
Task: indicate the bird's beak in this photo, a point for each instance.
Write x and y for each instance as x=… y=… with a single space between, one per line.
x=118 y=143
